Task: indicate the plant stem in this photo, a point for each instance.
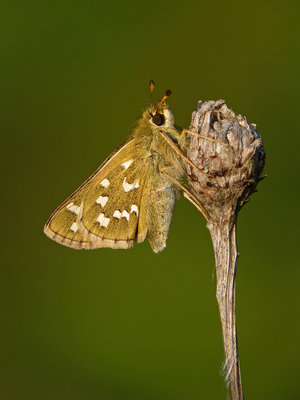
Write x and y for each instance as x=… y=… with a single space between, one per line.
x=226 y=254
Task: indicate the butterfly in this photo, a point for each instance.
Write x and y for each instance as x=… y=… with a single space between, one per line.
x=132 y=195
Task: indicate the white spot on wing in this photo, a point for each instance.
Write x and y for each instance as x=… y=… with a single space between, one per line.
x=102 y=200
x=127 y=164
x=117 y=214
x=134 y=208
x=73 y=208
x=129 y=186
x=105 y=183
x=74 y=227
x=100 y=218
x=125 y=215
x=103 y=221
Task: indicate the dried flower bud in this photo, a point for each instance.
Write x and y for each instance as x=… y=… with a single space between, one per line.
x=233 y=167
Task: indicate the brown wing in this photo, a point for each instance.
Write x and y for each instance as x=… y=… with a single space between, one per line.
x=105 y=210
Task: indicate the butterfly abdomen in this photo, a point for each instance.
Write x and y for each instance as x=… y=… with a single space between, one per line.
x=160 y=211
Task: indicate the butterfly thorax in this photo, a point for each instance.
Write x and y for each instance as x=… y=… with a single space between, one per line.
x=158 y=150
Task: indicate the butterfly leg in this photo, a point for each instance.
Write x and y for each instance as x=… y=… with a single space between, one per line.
x=179 y=152
x=187 y=131
x=186 y=193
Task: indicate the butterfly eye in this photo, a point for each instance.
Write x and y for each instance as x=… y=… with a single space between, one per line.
x=158 y=119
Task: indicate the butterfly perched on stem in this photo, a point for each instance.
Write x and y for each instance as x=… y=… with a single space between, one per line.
x=132 y=194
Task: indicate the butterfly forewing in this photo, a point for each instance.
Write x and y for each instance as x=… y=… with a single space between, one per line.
x=105 y=210
x=113 y=211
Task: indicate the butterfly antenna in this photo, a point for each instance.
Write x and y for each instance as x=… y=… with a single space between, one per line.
x=167 y=94
x=151 y=84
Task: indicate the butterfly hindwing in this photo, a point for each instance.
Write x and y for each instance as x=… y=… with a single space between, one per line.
x=105 y=210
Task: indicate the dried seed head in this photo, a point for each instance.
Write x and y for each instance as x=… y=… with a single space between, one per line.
x=233 y=168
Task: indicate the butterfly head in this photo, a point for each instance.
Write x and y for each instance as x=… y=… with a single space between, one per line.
x=159 y=114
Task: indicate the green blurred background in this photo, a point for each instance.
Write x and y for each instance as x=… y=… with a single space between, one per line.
x=111 y=324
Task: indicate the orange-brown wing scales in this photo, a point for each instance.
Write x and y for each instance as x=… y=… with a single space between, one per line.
x=63 y=227
x=113 y=212
x=104 y=211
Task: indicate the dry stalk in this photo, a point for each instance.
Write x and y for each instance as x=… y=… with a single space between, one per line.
x=234 y=169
